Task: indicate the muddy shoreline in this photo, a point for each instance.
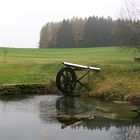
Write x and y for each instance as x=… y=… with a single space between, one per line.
x=34 y=88
x=44 y=89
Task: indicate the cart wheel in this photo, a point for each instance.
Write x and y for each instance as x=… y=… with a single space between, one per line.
x=66 y=80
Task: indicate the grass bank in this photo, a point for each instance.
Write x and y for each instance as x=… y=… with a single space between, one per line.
x=116 y=83
x=118 y=79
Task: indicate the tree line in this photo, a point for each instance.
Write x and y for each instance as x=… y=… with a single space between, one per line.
x=90 y=32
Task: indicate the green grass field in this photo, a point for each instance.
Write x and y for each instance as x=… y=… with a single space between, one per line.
x=41 y=65
x=102 y=55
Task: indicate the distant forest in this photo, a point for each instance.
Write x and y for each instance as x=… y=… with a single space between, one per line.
x=89 y=32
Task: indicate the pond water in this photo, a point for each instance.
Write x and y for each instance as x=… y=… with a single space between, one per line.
x=35 y=118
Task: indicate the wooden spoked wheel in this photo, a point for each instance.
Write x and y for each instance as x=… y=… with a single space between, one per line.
x=66 y=80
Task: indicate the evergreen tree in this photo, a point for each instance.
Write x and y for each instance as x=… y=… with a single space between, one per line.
x=64 y=35
x=90 y=32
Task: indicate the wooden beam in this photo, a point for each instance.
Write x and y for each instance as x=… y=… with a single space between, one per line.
x=77 y=66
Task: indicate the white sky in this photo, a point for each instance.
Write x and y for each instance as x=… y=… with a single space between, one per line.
x=21 y=20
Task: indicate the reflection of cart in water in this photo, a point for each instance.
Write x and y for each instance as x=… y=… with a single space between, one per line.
x=66 y=79
x=73 y=113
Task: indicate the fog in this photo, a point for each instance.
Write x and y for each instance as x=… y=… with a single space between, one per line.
x=22 y=20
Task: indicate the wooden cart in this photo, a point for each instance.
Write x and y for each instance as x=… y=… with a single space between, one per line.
x=66 y=79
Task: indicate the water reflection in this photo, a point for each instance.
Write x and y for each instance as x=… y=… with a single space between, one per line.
x=47 y=109
x=111 y=122
x=120 y=129
x=100 y=123
x=131 y=132
x=72 y=106
x=66 y=105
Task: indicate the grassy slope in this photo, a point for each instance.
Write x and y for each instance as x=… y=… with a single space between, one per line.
x=121 y=75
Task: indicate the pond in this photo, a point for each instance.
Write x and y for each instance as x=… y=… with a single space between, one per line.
x=36 y=118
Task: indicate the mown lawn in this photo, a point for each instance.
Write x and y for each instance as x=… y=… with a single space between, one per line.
x=41 y=65
x=121 y=74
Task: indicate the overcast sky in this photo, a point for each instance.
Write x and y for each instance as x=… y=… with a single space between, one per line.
x=21 y=20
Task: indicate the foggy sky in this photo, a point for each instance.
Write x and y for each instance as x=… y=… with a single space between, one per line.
x=21 y=20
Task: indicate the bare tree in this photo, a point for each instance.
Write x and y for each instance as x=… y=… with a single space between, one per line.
x=128 y=25
x=5 y=52
x=130 y=10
